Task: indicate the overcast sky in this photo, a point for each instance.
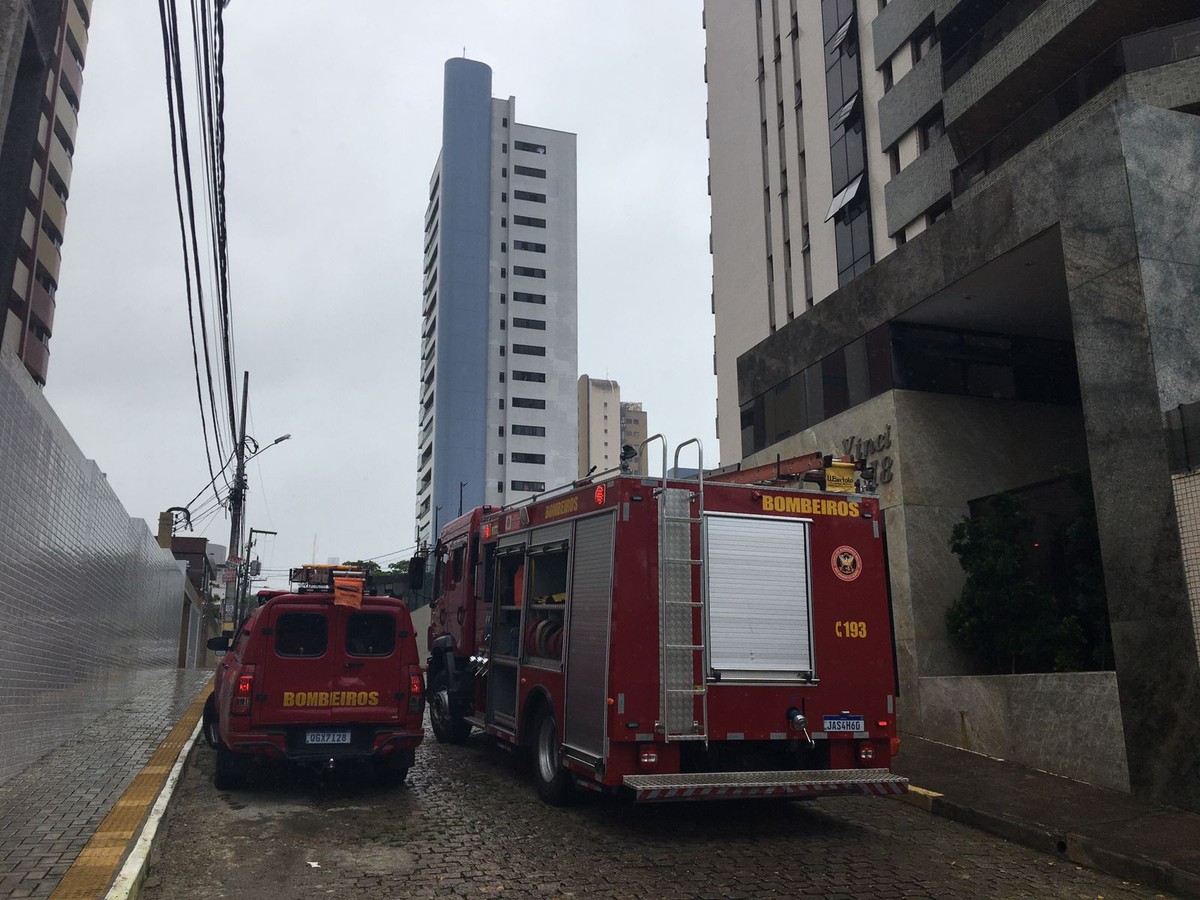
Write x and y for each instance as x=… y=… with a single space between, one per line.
x=333 y=125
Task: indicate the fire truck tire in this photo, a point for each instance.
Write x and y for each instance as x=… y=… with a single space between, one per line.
x=448 y=727
x=554 y=781
x=229 y=770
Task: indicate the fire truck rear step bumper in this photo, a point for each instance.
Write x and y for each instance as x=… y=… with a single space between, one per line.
x=729 y=785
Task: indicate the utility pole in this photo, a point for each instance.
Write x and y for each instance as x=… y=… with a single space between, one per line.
x=236 y=497
x=244 y=596
x=461 y=485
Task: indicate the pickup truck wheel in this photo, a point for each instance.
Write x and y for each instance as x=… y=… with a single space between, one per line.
x=555 y=783
x=212 y=731
x=229 y=771
x=448 y=727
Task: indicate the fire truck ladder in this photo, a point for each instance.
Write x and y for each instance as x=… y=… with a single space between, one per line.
x=683 y=618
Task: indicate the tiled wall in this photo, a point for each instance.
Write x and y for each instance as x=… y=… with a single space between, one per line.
x=1187 y=509
x=89 y=602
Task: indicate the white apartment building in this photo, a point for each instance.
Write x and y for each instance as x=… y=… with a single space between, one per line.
x=499 y=326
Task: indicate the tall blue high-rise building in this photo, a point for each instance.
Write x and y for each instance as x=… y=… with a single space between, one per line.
x=498 y=400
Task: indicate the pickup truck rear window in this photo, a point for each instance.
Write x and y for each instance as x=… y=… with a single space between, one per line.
x=301 y=634
x=370 y=634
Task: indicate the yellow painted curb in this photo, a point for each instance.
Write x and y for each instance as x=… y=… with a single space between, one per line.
x=919 y=797
x=96 y=866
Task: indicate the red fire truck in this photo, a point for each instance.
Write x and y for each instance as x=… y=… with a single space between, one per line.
x=675 y=638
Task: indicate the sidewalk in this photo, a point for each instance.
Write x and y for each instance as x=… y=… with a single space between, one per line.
x=1112 y=832
x=51 y=811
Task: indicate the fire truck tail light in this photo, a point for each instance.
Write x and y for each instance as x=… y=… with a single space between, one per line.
x=895 y=746
x=882 y=723
x=648 y=756
x=866 y=752
x=416 y=691
x=242 y=696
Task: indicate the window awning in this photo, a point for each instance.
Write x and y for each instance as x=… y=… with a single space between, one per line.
x=841 y=34
x=844 y=112
x=844 y=197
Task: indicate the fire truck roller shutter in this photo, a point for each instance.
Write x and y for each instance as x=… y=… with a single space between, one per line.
x=759 y=597
x=587 y=635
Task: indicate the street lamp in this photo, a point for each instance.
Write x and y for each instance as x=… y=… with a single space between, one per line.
x=433 y=541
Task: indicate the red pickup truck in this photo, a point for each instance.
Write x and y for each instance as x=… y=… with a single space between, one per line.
x=317 y=683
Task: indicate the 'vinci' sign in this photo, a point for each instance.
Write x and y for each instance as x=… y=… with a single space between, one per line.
x=870 y=448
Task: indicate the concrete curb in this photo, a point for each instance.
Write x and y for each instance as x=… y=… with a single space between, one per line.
x=1079 y=849
x=128 y=883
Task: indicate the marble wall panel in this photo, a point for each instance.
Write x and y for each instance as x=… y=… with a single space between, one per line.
x=1067 y=723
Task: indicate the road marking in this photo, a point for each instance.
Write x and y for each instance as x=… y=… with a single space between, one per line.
x=919 y=797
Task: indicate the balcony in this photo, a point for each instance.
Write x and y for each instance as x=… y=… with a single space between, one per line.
x=49 y=257
x=72 y=74
x=77 y=32
x=60 y=162
x=54 y=209
x=35 y=180
x=66 y=115
x=42 y=307
x=36 y=357
x=1138 y=53
x=964 y=53
x=28 y=230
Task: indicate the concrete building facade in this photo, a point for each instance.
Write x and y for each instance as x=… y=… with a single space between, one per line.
x=606 y=424
x=1032 y=205
x=42 y=49
x=497 y=417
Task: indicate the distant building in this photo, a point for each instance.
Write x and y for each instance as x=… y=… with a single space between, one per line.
x=498 y=336
x=42 y=48
x=606 y=424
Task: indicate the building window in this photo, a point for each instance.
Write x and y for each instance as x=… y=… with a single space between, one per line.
x=499 y=459
x=503 y=246
x=894 y=159
x=535 y=324
x=530 y=246
x=529 y=171
x=923 y=41
x=532 y=486
x=502 y=378
x=503 y=173
x=523 y=297
x=504 y=196
x=504 y=148
x=504 y=122
x=528 y=350
x=528 y=272
x=503 y=299
x=535 y=459
x=501 y=431
x=503 y=221
x=526 y=403
x=503 y=272
x=518 y=375
x=530 y=221
x=938 y=211
x=932 y=129
x=530 y=196
x=500 y=487
x=530 y=148
x=886 y=71
x=502 y=403
x=502 y=326
x=529 y=430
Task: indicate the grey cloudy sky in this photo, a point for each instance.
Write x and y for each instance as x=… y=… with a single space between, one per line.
x=333 y=125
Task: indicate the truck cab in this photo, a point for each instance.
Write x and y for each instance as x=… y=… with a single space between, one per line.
x=310 y=679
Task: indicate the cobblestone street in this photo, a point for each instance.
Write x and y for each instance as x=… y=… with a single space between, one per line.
x=469 y=823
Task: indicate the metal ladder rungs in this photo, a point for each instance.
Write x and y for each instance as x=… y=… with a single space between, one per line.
x=685 y=562
x=692 y=520
x=693 y=603
x=695 y=692
x=690 y=648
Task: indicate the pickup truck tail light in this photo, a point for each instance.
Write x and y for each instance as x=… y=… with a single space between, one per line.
x=416 y=691
x=242 y=696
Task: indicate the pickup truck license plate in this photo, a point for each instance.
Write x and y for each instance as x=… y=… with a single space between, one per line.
x=844 y=723
x=328 y=737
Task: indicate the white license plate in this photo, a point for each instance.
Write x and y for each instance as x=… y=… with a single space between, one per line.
x=328 y=737
x=844 y=723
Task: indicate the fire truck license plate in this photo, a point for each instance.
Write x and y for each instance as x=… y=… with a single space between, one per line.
x=844 y=723
x=328 y=737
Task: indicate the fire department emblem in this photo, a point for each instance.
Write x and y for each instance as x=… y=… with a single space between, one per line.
x=847 y=564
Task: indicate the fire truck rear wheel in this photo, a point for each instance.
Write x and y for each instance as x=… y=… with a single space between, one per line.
x=448 y=727
x=554 y=781
x=212 y=731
